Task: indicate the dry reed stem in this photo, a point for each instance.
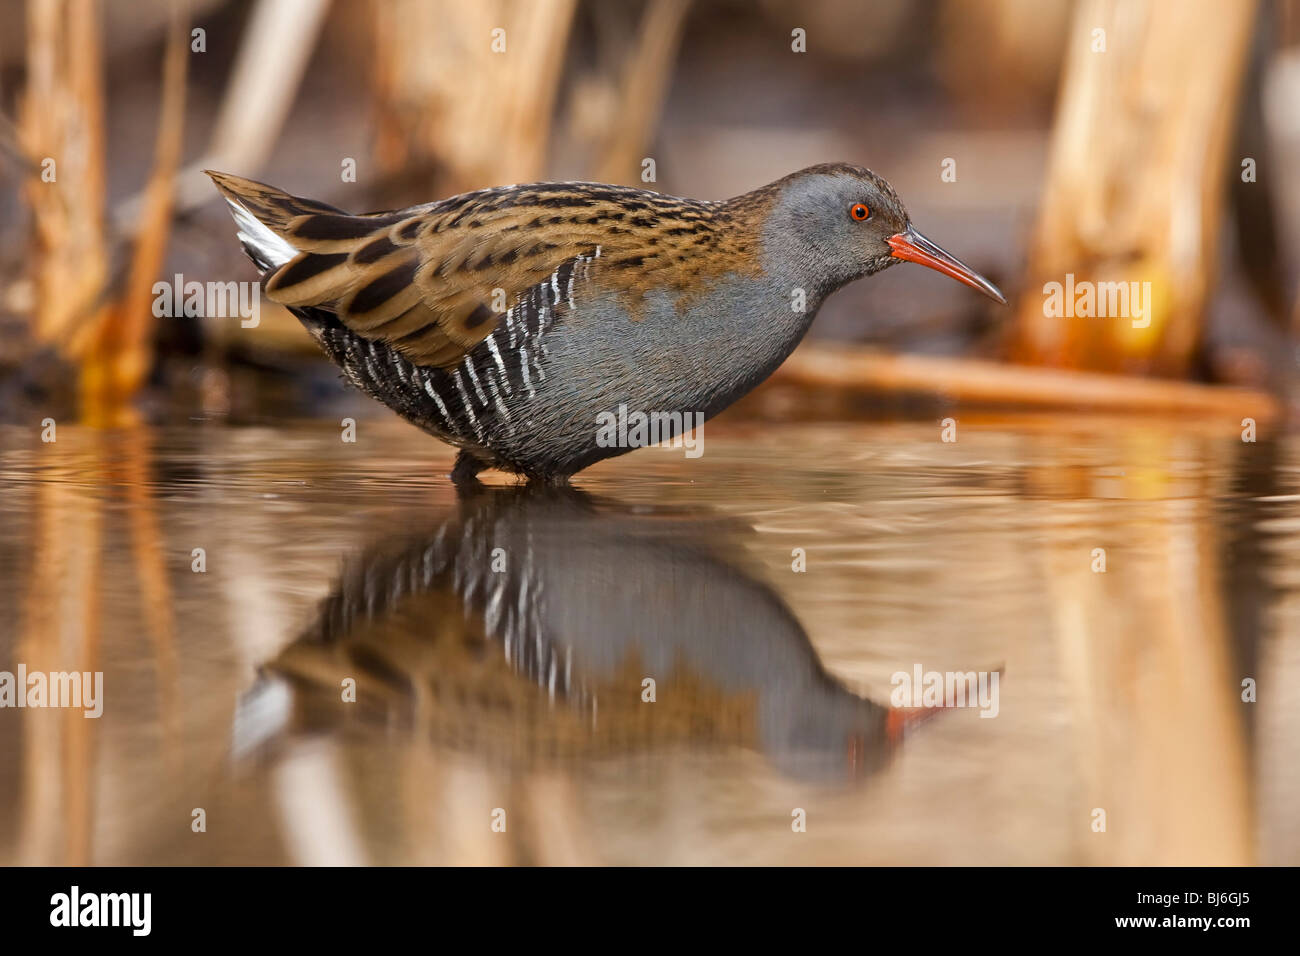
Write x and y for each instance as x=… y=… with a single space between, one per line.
x=61 y=121
x=117 y=352
x=492 y=130
x=1135 y=184
x=977 y=381
x=642 y=89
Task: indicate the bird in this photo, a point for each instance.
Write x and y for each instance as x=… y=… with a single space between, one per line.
x=526 y=619
x=514 y=321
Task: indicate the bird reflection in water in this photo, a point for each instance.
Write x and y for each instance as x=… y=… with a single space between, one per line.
x=540 y=624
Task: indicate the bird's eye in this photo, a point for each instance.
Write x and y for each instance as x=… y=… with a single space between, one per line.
x=859 y=211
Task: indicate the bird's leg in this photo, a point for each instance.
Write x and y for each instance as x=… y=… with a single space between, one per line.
x=465 y=472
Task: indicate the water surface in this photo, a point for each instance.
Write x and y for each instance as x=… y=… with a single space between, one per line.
x=500 y=645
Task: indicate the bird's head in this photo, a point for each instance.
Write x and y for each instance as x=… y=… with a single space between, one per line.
x=845 y=222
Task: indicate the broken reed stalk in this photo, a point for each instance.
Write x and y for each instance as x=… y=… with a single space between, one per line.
x=117 y=351
x=488 y=132
x=1135 y=182
x=994 y=383
x=61 y=131
x=106 y=332
x=535 y=80
x=642 y=88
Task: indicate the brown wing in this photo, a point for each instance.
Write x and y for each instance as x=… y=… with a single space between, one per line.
x=432 y=281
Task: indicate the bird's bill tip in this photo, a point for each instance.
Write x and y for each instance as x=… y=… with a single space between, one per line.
x=910 y=246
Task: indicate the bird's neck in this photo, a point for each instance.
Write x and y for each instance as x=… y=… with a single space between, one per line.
x=788 y=246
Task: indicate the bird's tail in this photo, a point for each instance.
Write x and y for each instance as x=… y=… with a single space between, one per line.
x=264 y=216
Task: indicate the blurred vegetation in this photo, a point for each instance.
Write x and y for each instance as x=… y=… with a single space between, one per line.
x=1116 y=164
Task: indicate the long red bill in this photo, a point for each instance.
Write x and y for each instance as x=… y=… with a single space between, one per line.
x=914 y=247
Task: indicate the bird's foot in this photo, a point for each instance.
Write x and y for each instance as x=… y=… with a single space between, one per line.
x=464 y=474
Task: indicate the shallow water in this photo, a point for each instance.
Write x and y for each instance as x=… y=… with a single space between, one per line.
x=507 y=685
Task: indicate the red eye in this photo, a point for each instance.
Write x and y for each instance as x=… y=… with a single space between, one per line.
x=859 y=211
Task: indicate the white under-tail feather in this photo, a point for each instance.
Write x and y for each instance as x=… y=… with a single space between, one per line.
x=270 y=251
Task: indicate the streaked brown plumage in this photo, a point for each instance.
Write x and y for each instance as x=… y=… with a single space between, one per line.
x=422 y=279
